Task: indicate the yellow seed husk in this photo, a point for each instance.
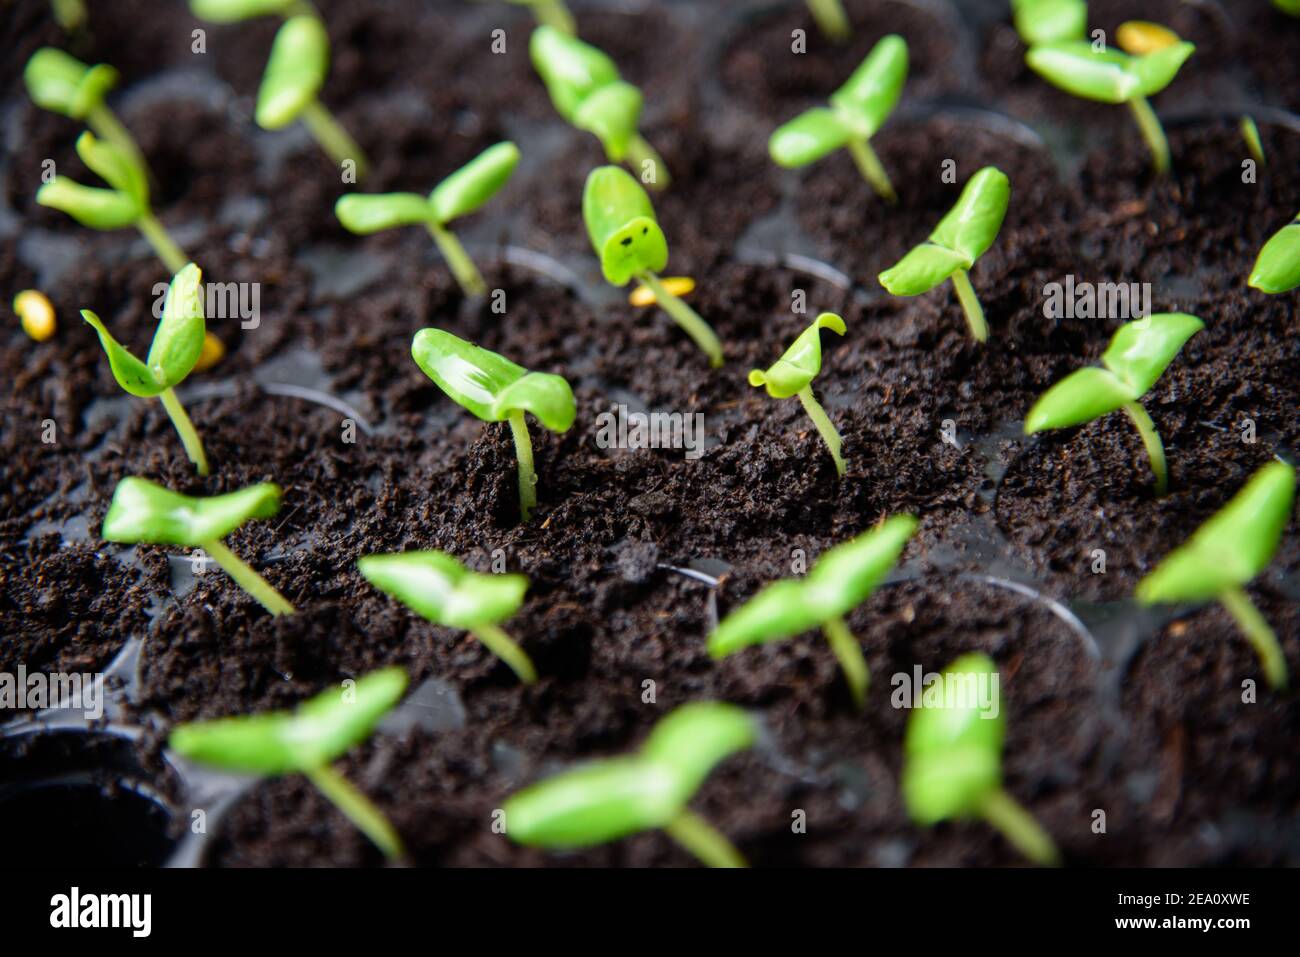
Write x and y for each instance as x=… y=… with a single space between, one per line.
x=677 y=285
x=213 y=350
x=1140 y=37
x=36 y=313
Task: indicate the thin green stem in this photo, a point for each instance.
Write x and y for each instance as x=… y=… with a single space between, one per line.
x=849 y=655
x=831 y=19
x=458 y=261
x=553 y=13
x=872 y=170
x=527 y=476
x=824 y=425
x=686 y=317
x=1250 y=133
x=168 y=250
x=333 y=138
x=185 y=429
x=1019 y=827
x=247 y=579
x=640 y=152
x=358 y=809
x=1258 y=633
x=108 y=127
x=1151 y=440
x=505 y=648
x=1152 y=132
x=71 y=14
x=705 y=841
x=970 y=305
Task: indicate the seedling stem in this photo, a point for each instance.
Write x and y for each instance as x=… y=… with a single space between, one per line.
x=356 y=807
x=871 y=169
x=1019 y=827
x=684 y=316
x=849 y=655
x=1151 y=439
x=458 y=261
x=185 y=429
x=504 y=647
x=333 y=138
x=704 y=840
x=970 y=305
x=527 y=476
x=639 y=152
x=825 y=427
x=1152 y=132
x=168 y=251
x=831 y=19
x=1257 y=632
x=249 y=580
x=553 y=13
x=105 y=124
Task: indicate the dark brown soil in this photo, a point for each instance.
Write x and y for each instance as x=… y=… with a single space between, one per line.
x=1186 y=773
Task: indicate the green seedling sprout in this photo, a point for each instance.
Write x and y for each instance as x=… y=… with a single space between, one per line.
x=831 y=19
x=306 y=741
x=551 y=13
x=125 y=205
x=630 y=244
x=1250 y=133
x=585 y=86
x=841 y=580
x=460 y=194
x=177 y=345
x=961 y=238
x=295 y=72
x=1277 y=268
x=857 y=110
x=70 y=14
x=144 y=512
x=952 y=759
x=1291 y=7
x=1049 y=21
x=445 y=592
x=793 y=374
x=60 y=83
x=232 y=11
x=1225 y=553
x=649 y=790
x=497 y=390
x=1112 y=76
x=1137 y=356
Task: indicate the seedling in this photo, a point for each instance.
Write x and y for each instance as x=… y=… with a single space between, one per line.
x=1277 y=268
x=63 y=84
x=1250 y=133
x=126 y=204
x=1138 y=354
x=232 y=11
x=626 y=237
x=649 y=790
x=961 y=238
x=1112 y=76
x=551 y=13
x=497 y=390
x=793 y=374
x=1288 y=6
x=70 y=14
x=952 y=759
x=1225 y=553
x=460 y=194
x=841 y=580
x=831 y=19
x=142 y=511
x=305 y=741
x=177 y=346
x=1049 y=21
x=442 y=590
x=588 y=92
x=857 y=110
x=294 y=75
